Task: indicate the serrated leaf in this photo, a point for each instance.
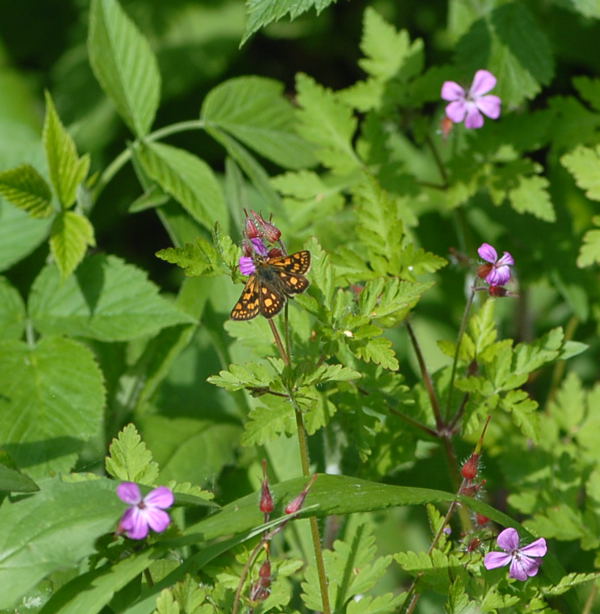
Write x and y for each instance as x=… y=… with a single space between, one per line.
x=589 y=89
x=262 y=12
x=253 y=170
x=70 y=236
x=199 y=258
x=379 y=351
x=531 y=196
x=188 y=179
x=12 y=312
x=249 y=375
x=386 y=49
x=51 y=402
x=58 y=528
x=20 y=234
x=129 y=459
x=590 y=250
x=67 y=169
x=269 y=420
x=124 y=64
x=515 y=49
x=569 y=581
x=107 y=300
x=383 y=604
x=328 y=123
x=584 y=164
x=331 y=373
x=253 y=110
x=25 y=188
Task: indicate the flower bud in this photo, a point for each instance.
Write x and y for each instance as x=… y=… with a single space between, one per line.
x=268 y=230
x=293 y=506
x=480 y=519
x=470 y=468
x=484 y=270
x=266 y=500
x=473 y=544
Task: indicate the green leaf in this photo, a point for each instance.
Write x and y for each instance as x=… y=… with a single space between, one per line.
x=253 y=170
x=262 y=12
x=12 y=480
x=269 y=420
x=25 y=188
x=107 y=300
x=509 y=43
x=52 y=530
x=199 y=258
x=379 y=351
x=51 y=402
x=589 y=89
x=569 y=581
x=584 y=164
x=351 y=568
x=67 y=169
x=70 y=236
x=188 y=179
x=250 y=375
x=587 y=8
x=20 y=234
x=590 y=250
x=189 y=448
x=328 y=123
x=130 y=460
x=331 y=373
x=254 y=110
x=386 y=49
x=12 y=312
x=531 y=196
x=124 y=64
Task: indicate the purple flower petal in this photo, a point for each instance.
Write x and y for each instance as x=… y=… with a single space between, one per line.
x=456 y=111
x=160 y=497
x=489 y=105
x=474 y=118
x=496 y=559
x=536 y=548
x=157 y=519
x=247 y=266
x=498 y=276
x=517 y=570
x=483 y=82
x=259 y=247
x=508 y=540
x=452 y=91
x=129 y=492
x=487 y=252
x=506 y=259
x=134 y=523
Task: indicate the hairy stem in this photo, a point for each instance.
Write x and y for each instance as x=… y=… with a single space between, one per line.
x=279 y=344
x=461 y=333
x=435 y=405
x=245 y=571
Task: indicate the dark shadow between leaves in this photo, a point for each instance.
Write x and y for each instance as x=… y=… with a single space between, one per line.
x=90 y=279
x=28 y=454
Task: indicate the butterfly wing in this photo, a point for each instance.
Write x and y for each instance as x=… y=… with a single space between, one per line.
x=291 y=269
x=248 y=304
x=271 y=300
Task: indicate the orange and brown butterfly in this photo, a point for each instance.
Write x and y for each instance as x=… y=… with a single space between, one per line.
x=276 y=277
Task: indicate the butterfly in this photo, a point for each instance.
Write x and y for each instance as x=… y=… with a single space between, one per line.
x=274 y=280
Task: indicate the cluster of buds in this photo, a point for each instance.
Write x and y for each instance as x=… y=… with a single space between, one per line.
x=261 y=588
x=261 y=238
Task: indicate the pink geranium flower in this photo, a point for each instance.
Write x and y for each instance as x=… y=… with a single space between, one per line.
x=497 y=272
x=144 y=513
x=469 y=106
x=524 y=562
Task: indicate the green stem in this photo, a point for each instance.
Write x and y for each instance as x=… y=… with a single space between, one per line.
x=305 y=462
x=438 y=161
x=461 y=332
x=435 y=405
x=245 y=571
x=119 y=162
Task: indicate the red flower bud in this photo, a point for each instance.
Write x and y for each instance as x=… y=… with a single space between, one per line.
x=250 y=230
x=264 y=573
x=498 y=291
x=267 y=230
x=266 y=500
x=473 y=544
x=293 y=506
x=446 y=127
x=470 y=468
x=480 y=519
x=484 y=270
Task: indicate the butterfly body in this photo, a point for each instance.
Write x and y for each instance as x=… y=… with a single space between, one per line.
x=274 y=280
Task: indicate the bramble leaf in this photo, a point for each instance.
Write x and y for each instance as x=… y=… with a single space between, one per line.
x=67 y=169
x=25 y=188
x=188 y=179
x=253 y=110
x=124 y=64
x=70 y=236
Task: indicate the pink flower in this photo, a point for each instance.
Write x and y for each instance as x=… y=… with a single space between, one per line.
x=469 y=106
x=524 y=562
x=497 y=272
x=247 y=266
x=144 y=513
